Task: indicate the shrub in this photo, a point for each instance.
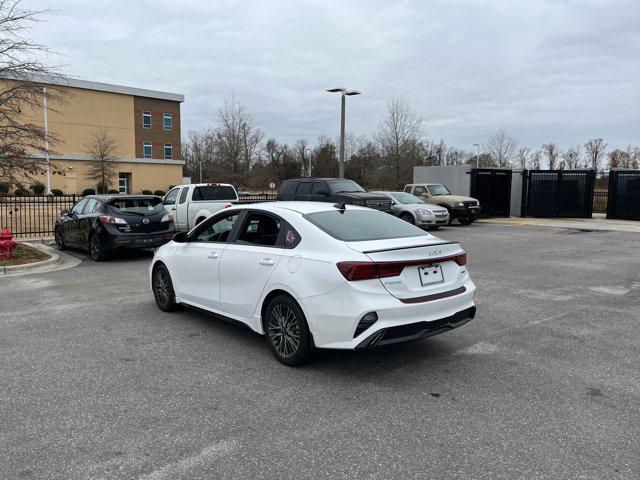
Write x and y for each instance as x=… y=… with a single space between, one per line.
x=147 y=192
x=113 y=192
x=21 y=192
x=57 y=192
x=159 y=193
x=38 y=187
x=88 y=191
x=4 y=188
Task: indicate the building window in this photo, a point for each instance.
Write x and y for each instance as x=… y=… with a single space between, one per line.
x=147 y=150
x=146 y=119
x=124 y=182
x=167 y=151
x=167 y=121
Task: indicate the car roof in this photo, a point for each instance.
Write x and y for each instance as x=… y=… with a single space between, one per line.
x=310 y=179
x=108 y=198
x=300 y=207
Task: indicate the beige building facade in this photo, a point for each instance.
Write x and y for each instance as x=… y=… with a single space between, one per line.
x=144 y=124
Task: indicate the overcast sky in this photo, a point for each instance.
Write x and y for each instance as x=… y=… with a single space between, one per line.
x=552 y=70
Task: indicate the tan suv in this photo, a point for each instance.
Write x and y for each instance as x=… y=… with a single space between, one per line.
x=465 y=209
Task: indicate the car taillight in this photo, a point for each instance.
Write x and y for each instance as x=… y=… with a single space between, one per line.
x=112 y=220
x=353 y=271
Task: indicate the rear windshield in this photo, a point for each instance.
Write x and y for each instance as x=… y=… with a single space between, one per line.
x=214 y=192
x=140 y=206
x=360 y=225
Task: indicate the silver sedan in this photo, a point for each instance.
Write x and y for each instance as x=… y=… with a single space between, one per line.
x=414 y=210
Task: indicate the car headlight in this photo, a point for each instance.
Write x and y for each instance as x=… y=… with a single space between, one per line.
x=167 y=217
x=423 y=211
x=460 y=204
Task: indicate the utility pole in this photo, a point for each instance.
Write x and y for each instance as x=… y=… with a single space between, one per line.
x=478 y=155
x=46 y=144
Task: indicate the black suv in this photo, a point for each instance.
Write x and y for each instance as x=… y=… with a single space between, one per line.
x=335 y=190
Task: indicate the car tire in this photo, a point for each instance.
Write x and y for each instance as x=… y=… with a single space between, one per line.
x=407 y=217
x=466 y=221
x=451 y=219
x=287 y=331
x=199 y=220
x=162 y=288
x=59 y=238
x=95 y=249
x=435 y=227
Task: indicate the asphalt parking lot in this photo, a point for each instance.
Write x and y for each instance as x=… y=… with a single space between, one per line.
x=96 y=382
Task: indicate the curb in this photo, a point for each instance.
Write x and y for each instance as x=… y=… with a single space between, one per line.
x=54 y=260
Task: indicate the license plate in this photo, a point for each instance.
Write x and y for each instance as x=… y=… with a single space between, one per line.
x=431 y=274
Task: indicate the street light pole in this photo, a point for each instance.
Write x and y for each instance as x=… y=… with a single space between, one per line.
x=46 y=143
x=344 y=93
x=478 y=155
x=309 y=150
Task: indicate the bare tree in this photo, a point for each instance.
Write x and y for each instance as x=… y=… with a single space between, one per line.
x=594 y=150
x=534 y=160
x=21 y=91
x=619 y=159
x=501 y=148
x=552 y=152
x=522 y=156
x=399 y=136
x=102 y=149
x=571 y=158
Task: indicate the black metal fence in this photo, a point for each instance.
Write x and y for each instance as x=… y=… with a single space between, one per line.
x=558 y=193
x=624 y=194
x=600 y=202
x=33 y=216
x=492 y=188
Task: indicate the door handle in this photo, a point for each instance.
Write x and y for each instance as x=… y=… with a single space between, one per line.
x=267 y=262
x=213 y=255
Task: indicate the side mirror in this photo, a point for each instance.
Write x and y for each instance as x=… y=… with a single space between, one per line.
x=64 y=212
x=180 y=237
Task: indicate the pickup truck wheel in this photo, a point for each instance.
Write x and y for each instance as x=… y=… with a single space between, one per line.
x=450 y=216
x=466 y=221
x=199 y=220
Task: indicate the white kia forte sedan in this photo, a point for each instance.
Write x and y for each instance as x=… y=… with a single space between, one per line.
x=309 y=274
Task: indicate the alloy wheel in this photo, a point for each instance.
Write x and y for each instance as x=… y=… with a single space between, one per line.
x=284 y=330
x=161 y=286
x=59 y=238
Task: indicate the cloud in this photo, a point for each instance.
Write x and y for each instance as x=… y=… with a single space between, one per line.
x=559 y=71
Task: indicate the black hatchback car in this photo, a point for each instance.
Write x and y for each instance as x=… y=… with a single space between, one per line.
x=104 y=223
x=335 y=190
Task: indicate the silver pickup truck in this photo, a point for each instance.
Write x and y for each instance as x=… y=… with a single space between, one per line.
x=190 y=204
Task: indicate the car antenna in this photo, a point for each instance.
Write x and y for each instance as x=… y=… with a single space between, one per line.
x=342 y=207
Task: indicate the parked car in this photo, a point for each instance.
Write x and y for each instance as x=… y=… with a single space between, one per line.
x=465 y=209
x=191 y=204
x=242 y=192
x=416 y=211
x=105 y=223
x=310 y=274
x=335 y=190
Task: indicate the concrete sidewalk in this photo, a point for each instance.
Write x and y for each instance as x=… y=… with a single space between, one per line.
x=598 y=223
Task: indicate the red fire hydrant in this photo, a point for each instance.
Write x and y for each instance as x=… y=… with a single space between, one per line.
x=6 y=244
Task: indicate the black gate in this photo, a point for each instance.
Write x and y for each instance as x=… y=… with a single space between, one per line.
x=558 y=193
x=624 y=194
x=492 y=188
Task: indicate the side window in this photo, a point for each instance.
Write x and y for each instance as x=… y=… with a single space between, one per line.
x=183 y=195
x=260 y=229
x=317 y=186
x=407 y=189
x=304 y=188
x=219 y=230
x=418 y=191
x=146 y=119
x=291 y=237
x=91 y=205
x=170 y=199
x=77 y=208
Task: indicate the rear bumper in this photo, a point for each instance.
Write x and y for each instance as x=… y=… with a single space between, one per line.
x=414 y=331
x=132 y=241
x=334 y=317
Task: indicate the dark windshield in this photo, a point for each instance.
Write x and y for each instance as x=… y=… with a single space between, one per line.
x=214 y=192
x=359 y=225
x=438 y=190
x=140 y=206
x=344 y=186
x=406 y=198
